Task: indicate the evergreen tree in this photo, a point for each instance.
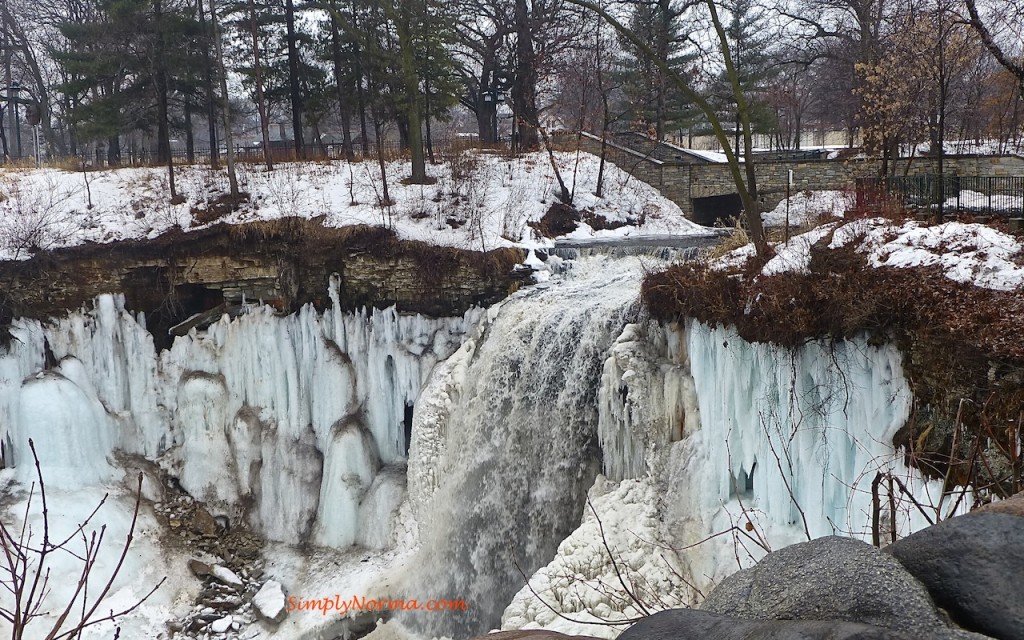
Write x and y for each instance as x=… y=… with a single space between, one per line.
x=653 y=101
x=750 y=43
x=122 y=73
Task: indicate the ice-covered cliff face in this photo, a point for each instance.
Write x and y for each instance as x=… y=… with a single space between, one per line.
x=293 y=415
x=304 y=421
x=739 y=448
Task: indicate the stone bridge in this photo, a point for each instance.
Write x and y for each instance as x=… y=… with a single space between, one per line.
x=701 y=184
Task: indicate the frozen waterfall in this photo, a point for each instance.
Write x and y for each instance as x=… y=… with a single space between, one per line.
x=295 y=415
x=473 y=442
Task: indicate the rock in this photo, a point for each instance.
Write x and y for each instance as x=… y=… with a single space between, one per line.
x=269 y=602
x=203 y=523
x=221 y=625
x=832 y=578
x=226 y=604
x=227 y=576
x=199 y=569
x=680 y=624
x=972 y=566
x=1014 y=506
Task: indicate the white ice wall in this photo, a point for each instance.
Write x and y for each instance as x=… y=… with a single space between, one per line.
x=297 y=413
x=785 y=441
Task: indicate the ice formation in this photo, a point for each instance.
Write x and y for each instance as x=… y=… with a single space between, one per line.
x=744 y=447
x=581 y=585
x=296 y=414
x=307 y=419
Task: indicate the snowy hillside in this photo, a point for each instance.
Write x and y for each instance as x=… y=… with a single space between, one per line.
x=479 y=201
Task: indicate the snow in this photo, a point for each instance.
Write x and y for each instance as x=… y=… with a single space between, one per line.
x=965 y=252
x=968 y=199
x=144 y=566
x=491 y=197
x=970 y=253
x=807 y=207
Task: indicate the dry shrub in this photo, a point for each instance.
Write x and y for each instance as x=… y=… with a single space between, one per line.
x=217 y=208
x=738 y=238
x=558 y=220
x=875 y=202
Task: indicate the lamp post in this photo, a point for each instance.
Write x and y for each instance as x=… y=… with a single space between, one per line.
x=492 y=109
x=14 y=89
x=32 y=113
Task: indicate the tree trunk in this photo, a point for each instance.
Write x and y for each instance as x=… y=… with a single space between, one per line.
x=294 y=90
x=426 y=116
x=113 y=151
x=261 y=103
x=190 y=142
x=524 y=88
x=361 y=100
x=211 y=109
x=225 y=109
x=344 y=109
x=412 y=97
x=163 y=129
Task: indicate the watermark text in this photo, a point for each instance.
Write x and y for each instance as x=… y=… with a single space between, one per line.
x=335 y=604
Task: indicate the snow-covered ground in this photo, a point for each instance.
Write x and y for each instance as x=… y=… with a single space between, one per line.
x=807 y=207
x=970 y=253
x=490 y=198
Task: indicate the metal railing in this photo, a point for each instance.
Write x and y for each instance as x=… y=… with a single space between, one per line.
x=978 y=195
x=281 y=151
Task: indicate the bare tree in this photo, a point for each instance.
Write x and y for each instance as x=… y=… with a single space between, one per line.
x=25 y=570
x=742 y=171
x=1010 y=12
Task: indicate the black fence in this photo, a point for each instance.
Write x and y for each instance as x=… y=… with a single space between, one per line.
x=978 y=195
x=281 y=151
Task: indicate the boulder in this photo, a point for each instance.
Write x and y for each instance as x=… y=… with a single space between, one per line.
x=221 y=625
x=831 y=578
x=687 y=624
x=1014 y=506
x=226 y=576
x=199 y=569
x=203 y=523
x=972 y=567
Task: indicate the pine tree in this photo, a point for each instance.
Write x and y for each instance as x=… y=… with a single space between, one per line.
x=122 y=72
x=750 y=43
x=652 y=99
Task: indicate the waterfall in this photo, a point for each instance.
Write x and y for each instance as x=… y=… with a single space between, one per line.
x=506 y=447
